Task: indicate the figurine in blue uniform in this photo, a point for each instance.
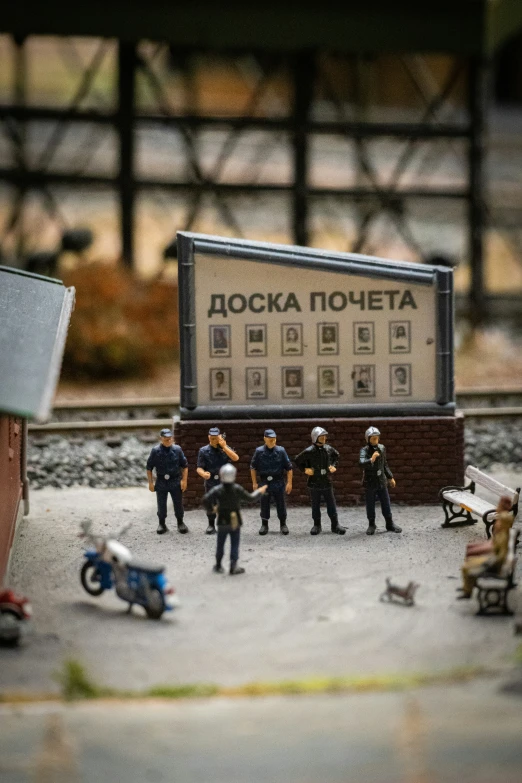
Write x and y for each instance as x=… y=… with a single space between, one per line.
x=267 y=468
x=376 y=477
x=171 y=479
x=210 y=459
x=226 y=498
x=319 y=461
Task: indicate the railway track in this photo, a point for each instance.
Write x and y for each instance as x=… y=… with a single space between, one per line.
x=142 y=416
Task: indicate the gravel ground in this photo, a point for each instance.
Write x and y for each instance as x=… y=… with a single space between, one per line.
x=305 y=606
x=95 y=463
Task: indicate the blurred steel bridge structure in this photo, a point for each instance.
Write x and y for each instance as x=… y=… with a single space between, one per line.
x=294 y=38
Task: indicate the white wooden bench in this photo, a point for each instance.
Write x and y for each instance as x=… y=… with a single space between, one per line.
x=460 y=503
x=493 y=588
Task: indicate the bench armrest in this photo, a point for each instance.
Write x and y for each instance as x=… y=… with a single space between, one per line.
x=469 y=488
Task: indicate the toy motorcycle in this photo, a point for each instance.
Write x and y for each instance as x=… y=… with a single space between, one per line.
x=110 y=564
x=15 y=610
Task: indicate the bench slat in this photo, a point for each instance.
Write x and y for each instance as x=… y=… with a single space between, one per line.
x=476 y=475
x=467 y=499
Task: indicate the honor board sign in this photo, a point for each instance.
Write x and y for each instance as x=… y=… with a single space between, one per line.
x=272 y=331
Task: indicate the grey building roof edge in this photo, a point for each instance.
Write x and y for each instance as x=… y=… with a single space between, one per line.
x=55 y=362
x=14 y=271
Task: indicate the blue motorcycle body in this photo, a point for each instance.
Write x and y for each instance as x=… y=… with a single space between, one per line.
x=135 y=583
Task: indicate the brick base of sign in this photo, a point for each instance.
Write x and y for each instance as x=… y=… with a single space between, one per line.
x=424 y=454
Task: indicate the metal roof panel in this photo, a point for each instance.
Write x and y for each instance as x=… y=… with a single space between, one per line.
x=34 y=318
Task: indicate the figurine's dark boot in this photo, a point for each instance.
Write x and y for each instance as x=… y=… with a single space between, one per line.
x=392 y=527
x=218 y=568
x=371 y=527
x=283 y=527
x=182 y=528
x=235 y=569
x=337 y=528
x=263 y=530
x=162 y=527
x=316 y=529
x=211 y=526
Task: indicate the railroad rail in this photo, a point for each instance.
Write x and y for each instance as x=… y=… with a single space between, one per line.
x=146 y=414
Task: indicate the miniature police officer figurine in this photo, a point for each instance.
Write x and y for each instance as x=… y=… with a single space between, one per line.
x=171 y=479
x=319 y=461
x=226 y=499
x=267 y=468
x=210 y=459
x=376 y=477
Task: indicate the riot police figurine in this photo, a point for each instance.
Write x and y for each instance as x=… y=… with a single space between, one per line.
x=268 y=467
x=210 y=459
x=376 y=477
x=226 y=499
x=319 y=461
x=171 y=479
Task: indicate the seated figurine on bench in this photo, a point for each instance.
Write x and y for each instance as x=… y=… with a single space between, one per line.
x=488 y=556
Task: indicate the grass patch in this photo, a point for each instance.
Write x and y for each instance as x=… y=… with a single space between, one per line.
x=387 y=682
x=77 y=685
x=182 y=691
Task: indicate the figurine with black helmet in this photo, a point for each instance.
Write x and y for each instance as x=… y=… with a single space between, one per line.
x=376 y=477
x=225 y=499
x=211 y=459
x=171 y=468
x=271 y=466
x=319 y=461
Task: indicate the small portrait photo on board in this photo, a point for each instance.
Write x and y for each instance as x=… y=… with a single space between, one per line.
x=327 y=339
x=363 y=380
x=256 y=383
x=220 y=384
x=292 y=339
x=255 y=339
x=400 y=380
x=400 y=333
x=363 y=337
x=328 y=381
x=219 y=341
x=292 y=382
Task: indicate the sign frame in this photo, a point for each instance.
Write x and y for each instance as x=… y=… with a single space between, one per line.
x=441 y=278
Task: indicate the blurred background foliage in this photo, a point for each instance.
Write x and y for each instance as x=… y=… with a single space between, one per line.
x=122 y=326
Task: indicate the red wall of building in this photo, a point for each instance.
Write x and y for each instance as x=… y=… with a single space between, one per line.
x=10 y=484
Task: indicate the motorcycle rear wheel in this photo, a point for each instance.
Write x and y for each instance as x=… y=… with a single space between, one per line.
x=156 y=604
x=92 y=587
x=10 y=628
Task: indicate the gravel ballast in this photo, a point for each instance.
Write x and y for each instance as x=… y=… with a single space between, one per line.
x=96 y=462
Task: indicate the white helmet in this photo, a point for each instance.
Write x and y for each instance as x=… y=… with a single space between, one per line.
x=227 y=474
x=317 y=432
x=370 y=432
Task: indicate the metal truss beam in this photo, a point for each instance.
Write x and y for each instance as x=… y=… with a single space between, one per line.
x=37 y=179
x=308 y=78
x=353 y=129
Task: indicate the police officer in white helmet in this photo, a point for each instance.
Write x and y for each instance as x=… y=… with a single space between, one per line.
x=225 y=499
x=319 y=461
x=376 y=478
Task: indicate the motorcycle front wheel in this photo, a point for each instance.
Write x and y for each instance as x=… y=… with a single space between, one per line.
x=90 y=579
x=156 y=605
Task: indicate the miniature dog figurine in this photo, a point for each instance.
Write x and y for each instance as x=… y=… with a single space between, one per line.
x=407 y=594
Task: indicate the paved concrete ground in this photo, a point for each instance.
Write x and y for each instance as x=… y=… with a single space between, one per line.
x=466 y=734
x=306 y=606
